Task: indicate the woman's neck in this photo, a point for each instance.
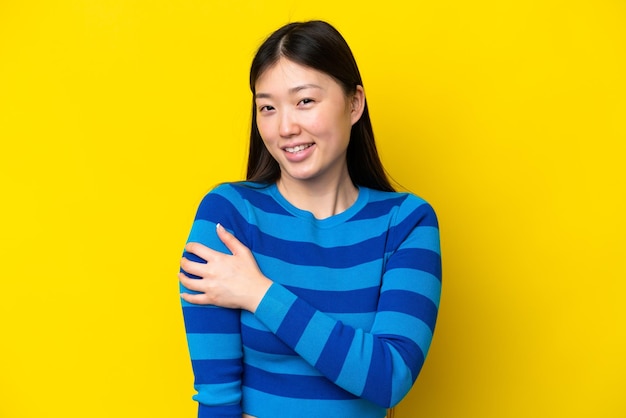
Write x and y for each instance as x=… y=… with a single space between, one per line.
x=322 y=199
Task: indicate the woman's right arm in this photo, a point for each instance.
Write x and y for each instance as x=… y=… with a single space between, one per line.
x=213 y=333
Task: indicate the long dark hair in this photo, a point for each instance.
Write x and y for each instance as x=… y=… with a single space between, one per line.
x=318 y=45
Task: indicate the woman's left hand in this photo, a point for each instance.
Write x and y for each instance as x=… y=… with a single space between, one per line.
x=230 y=281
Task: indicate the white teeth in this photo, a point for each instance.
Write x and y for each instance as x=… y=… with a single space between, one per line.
x=298 y=148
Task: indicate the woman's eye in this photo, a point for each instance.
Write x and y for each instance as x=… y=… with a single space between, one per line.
x=265 y=108
x=306 y=101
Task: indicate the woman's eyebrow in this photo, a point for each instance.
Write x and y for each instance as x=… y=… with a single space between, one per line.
x=292 y=90
x=304 y=87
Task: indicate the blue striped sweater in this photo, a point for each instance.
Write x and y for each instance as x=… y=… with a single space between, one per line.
x=344 y=329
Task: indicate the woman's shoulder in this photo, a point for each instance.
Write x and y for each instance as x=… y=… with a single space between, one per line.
x=403 y=205
x=232 y=198
x=397 y=198
x=239 y=189
x=242 y=194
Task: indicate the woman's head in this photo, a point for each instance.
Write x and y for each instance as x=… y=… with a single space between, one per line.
x=318 y=46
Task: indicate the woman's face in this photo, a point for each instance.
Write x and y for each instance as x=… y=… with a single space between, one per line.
x=304 y=119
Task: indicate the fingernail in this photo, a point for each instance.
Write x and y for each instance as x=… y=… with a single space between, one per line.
x=219 y=226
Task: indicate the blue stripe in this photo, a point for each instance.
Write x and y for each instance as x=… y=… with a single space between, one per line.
x=293 y=386
x=377 y=209
x=314 y=337
x=214 y=207
x=409 y=303
x=343 y=234
x=353 y=373
x=219 y=394
x=401 y=324
x=260 y=404
x=330 y=361
x=204 y=371
x=333 y=257
x=217 y=209
x=422 y=215
x=258 y=197
x=214 y=346
x=359 y=277
x=264 y=341
x=210 y=319
x=295 y=322
x=363 y=321
x=424 y=237
x=203 y=231
x=416 y=259
x=295 y=229
x=410 y=352
x=351 y=301
x=378 y=386
x=416 y=281
x=217 y=411
x=279 y=363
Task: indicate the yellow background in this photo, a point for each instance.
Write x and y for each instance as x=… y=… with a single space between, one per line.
x=509 y=117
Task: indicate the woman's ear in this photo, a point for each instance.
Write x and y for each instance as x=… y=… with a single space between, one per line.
x=357 y=103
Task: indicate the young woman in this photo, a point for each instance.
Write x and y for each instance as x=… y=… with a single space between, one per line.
x=311 y=289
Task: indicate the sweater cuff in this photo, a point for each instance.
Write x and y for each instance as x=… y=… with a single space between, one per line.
x=219 y=411
x=274 y=306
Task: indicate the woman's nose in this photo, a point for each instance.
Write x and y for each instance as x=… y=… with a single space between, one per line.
x=288 y=125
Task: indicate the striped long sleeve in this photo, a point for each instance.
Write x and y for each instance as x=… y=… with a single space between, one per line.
x=213 y=333
x=346 y=326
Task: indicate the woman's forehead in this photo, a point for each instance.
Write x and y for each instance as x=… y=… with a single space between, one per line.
x=292 y=77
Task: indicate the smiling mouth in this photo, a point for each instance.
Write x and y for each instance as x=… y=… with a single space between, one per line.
x=299 y=148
